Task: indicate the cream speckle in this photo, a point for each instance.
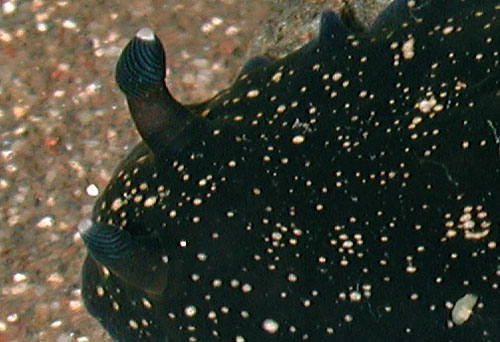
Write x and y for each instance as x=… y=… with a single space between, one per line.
x=270 y=326
x=253 y=93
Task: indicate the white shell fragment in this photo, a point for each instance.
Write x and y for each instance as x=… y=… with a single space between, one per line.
x=463 y=308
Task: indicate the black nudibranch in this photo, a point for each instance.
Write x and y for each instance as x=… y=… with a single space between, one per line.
x=347 y=192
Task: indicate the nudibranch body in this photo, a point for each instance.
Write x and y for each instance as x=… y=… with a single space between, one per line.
x=348 y=192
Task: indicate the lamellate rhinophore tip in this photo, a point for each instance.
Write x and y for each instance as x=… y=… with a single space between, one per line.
x=332 y=31
x=141 y=67
x=137 y=261
x=140 y=74
x=396 y=14
x=106 y=242
x=255 y=63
